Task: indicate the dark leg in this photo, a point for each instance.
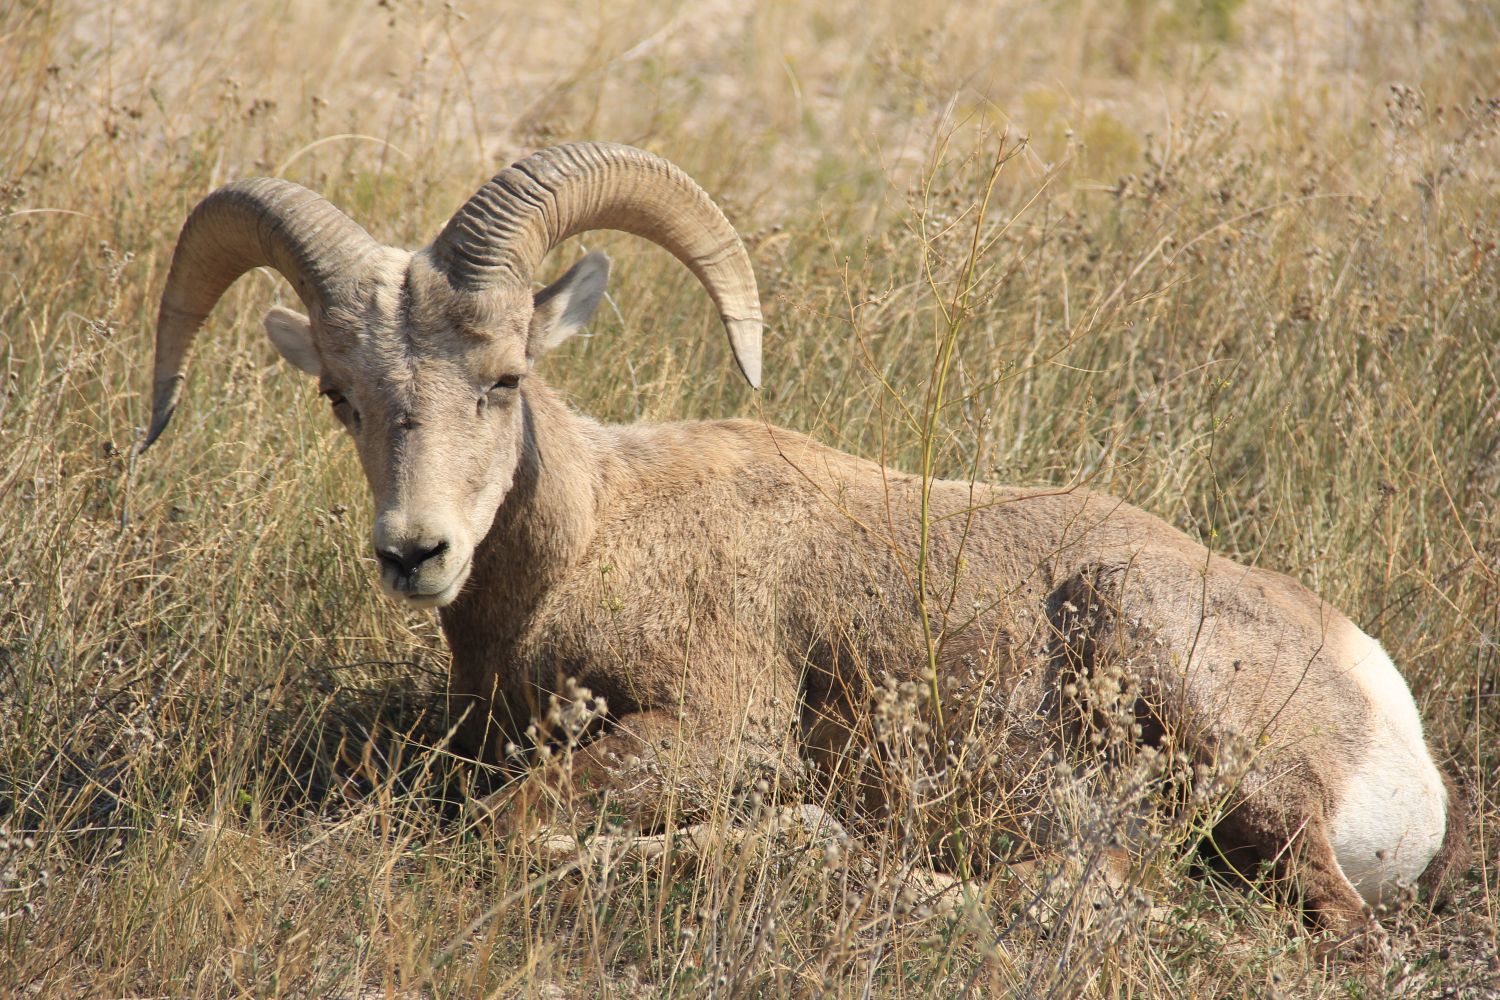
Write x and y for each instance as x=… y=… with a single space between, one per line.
x=1289 y=842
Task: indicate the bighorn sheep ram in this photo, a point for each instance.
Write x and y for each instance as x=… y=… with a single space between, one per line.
x=729 y=585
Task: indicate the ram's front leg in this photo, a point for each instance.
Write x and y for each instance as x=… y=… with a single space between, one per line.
x=646 y=768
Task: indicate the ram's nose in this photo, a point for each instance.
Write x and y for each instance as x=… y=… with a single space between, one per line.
x=406 y=560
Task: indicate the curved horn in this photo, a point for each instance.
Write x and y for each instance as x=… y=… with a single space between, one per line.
x=503 y=232
x=260 y=222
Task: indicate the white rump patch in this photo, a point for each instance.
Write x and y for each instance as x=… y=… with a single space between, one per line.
x=1393 y=812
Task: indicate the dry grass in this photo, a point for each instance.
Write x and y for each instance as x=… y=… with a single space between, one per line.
x=1245 y=273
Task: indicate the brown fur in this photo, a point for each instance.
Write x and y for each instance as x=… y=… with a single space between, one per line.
x=697 y=574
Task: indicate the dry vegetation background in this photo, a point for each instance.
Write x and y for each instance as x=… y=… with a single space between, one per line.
x=1244 y=273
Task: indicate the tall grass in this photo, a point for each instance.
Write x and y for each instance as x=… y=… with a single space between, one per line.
x=1239 y=265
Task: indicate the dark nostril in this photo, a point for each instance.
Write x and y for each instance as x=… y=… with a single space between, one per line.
x=404 y=563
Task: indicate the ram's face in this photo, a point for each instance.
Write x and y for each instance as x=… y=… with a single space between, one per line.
x=424 y=357
x=431 y=385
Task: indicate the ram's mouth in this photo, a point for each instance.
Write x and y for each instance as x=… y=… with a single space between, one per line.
x=441 y=597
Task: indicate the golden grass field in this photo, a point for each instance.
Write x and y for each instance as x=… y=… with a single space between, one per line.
x=1239 y=265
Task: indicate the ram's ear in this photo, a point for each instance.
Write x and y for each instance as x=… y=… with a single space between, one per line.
x=291 y=332
x=561 y=309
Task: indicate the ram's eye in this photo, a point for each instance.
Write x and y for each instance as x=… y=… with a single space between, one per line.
x=499 y=394
x=341 y=407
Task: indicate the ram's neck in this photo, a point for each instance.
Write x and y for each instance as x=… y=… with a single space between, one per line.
x=544 y=524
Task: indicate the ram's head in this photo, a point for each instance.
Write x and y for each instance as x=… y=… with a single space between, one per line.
x=424 y=356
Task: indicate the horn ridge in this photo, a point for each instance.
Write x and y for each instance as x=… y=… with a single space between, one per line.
x=257 y=222
x=501 y=234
